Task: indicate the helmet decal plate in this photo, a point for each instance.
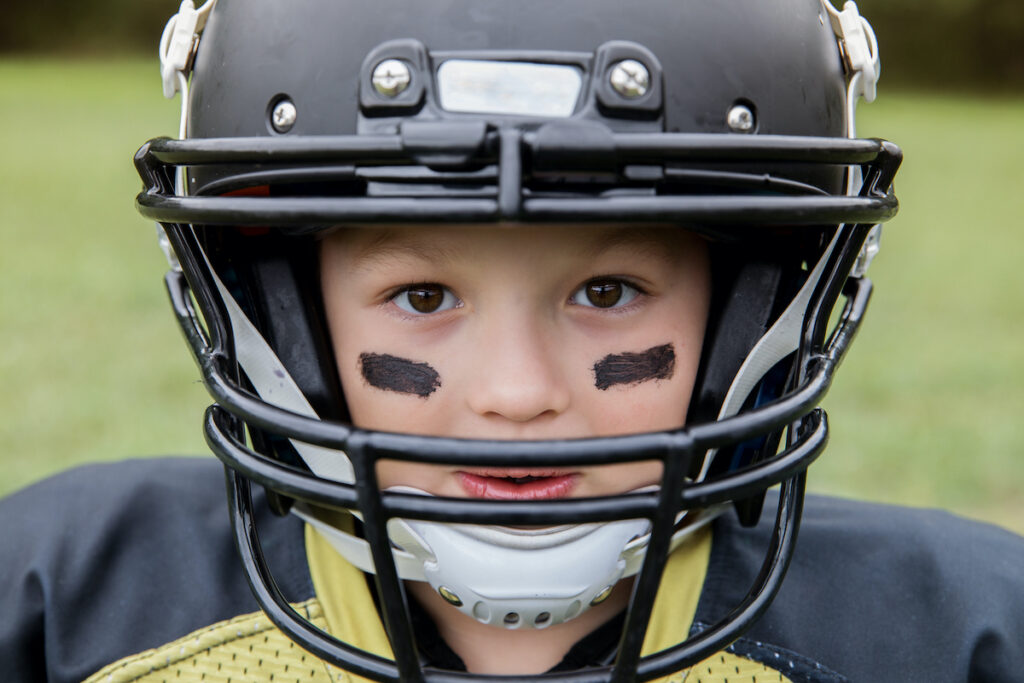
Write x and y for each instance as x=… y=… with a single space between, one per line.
x=507 y=87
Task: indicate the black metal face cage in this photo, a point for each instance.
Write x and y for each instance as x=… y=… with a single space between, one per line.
x=513 y=155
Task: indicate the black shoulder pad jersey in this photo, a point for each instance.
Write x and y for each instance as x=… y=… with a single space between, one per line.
x=107 y=561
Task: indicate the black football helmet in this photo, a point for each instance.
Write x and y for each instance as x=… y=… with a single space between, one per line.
x=731 y=119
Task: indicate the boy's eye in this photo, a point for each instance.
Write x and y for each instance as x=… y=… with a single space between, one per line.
x=605 y=294
x=423 y=299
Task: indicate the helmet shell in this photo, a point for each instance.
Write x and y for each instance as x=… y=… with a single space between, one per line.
x=780 y=59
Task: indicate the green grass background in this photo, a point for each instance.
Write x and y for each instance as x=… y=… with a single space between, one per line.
x=928 y=409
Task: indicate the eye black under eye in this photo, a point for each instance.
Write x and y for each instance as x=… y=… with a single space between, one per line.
x=425 y=298
x=603 y=293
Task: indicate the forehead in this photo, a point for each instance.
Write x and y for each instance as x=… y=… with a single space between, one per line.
x=365 y=246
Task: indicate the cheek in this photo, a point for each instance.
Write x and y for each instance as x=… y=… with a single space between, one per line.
x=652 y=406
x=639 y=391
x=432 y=478
x=389 y=393
x=613 y=479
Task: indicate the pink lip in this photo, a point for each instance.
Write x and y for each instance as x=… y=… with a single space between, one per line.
x=500 y=484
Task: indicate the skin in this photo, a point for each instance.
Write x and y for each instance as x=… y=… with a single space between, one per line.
x=515 y=343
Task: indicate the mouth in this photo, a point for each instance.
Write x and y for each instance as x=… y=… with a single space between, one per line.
x=517 y=484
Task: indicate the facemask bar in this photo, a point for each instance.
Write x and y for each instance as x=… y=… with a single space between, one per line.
x=562 y=147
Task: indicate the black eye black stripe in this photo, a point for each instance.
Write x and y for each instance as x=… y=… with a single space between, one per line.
x=392 y=373
x=657 y=362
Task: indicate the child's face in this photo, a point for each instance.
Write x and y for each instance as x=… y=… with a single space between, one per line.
x=537 y=332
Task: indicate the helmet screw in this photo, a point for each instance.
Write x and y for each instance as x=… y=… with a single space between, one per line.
x=391 y=77
x=740 y=119
x=449 y=596
x=602 y=596
x=630 y=78
x=283 y=116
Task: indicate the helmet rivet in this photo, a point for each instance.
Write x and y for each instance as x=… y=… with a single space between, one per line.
x=740 y=119
x=630 y=78
x=391 y=77
x=449 y=596
x=602 y=596
x=283 y=116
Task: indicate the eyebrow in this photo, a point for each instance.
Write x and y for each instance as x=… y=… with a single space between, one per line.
x=644 y=240
x=389 y=244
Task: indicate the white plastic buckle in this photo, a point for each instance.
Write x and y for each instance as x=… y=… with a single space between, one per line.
x=872 y=245
x=179 y=42
x=860 y=47
x=165 y=246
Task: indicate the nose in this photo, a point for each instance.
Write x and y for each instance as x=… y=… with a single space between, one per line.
x=516 y=373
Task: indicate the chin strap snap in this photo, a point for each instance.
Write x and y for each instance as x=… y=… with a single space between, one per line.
x=178 y=45
x=179 y=42
x=863 y=64
x=863 y=68
x=859 y=47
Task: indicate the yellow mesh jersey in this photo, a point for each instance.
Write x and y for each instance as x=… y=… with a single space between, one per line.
x=250 y=648
x=243 y=649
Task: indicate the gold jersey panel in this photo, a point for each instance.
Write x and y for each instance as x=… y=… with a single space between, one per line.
x=246 y=648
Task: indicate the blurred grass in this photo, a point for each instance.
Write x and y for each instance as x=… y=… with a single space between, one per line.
x=927 y=409
x=92 y=366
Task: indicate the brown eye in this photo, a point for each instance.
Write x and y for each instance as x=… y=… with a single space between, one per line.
x=604 y=294
x=424 y=299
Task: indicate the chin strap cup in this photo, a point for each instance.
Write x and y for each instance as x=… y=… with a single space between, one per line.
x=519 y=578
x=509 y=577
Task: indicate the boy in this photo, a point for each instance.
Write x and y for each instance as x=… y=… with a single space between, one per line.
x=503 y=304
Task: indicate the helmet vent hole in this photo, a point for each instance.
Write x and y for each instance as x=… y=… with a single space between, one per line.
x=542 y=619
x=512 y=619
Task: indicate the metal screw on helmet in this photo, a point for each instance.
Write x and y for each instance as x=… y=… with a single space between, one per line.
x=391 y=77
x=283 y=116
x=449 y=596
x=740 y=119
x=630 y=78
